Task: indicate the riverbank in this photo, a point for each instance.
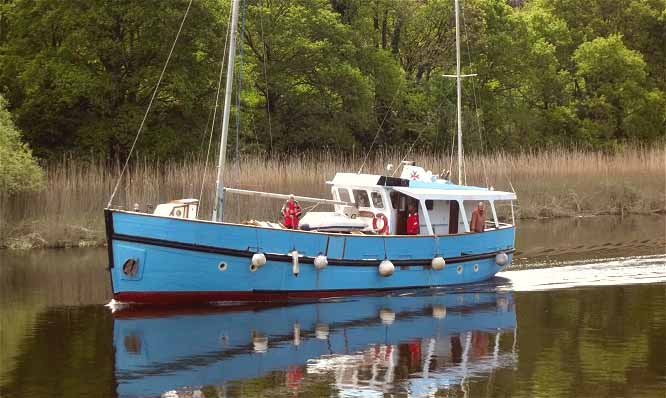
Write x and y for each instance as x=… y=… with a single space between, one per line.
x=68 y=211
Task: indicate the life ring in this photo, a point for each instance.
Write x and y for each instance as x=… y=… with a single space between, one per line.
x=384 y=229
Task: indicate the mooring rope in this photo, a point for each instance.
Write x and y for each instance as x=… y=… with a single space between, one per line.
x=150 y=104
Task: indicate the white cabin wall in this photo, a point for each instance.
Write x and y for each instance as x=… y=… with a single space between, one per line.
x=439 y=217
x=390 y=212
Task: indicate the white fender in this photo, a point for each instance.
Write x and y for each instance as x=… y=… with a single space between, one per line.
x=387 y=316
x=320 y=262
x=386 y=268
x=297 y=334
x=501 y=259
x=258 y=261
x=321 y=331
x=295 y=269
x=438 y=311
x=438 y=263
x=260 y=343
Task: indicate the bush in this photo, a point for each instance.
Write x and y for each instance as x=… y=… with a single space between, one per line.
x=19 y=171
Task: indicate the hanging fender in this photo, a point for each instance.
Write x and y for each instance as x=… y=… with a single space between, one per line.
x=295 y=269
x=384 y=224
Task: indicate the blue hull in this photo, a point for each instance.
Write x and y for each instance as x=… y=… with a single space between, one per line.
x=179 y=260
x=172 y=350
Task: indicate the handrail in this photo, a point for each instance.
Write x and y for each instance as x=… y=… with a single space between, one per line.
x=285 y=196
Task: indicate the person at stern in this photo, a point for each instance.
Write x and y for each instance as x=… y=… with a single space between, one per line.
x=291 y=211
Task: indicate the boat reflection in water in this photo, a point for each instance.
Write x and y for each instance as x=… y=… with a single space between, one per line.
x=415 y=343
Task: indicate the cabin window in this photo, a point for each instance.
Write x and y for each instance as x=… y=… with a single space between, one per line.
x=377 y=201
x=429 y=204
x=343 y=195
x=361 y=198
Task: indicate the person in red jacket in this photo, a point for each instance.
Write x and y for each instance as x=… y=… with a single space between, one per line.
x=413 y=221
x=291 y=211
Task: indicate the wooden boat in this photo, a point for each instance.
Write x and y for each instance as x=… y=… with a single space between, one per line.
x=173 y=256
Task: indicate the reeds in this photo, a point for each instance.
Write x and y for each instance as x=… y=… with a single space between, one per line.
x=68 y=211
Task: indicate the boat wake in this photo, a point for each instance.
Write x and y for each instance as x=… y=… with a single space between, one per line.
x=598 y=272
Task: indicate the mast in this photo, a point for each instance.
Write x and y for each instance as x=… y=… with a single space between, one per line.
x=218 y=209
x=458 y=76
x=459 y=95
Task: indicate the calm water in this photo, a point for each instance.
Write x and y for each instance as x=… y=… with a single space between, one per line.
x=581 y=313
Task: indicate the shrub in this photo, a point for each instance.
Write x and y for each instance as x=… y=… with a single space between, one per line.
x=19 y=171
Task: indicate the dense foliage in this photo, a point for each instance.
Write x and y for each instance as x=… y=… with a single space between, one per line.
x=18 y=169
x=316 y=74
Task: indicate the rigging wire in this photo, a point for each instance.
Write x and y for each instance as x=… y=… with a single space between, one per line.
x=453 y=143
x=417 y=138
x=150 y=104
x=217 y=99
x=379 y=129
x=239 y=91
x=204 y=135
x=268 y=101
x=476 y=106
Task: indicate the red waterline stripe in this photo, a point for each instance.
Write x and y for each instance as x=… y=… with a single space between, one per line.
x=212 y=296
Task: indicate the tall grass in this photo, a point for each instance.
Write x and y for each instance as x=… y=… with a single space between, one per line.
x=68 y=211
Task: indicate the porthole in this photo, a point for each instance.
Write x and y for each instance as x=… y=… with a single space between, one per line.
x=222 y=266
x=459 y=269
x=130 y=267
x=476 y=267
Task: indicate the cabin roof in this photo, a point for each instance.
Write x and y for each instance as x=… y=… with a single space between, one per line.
x=365 y=180
x=455 y=192
x=434 y=189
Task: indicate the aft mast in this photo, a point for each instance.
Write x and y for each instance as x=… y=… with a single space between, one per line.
x=459 y=77
x=218 y=209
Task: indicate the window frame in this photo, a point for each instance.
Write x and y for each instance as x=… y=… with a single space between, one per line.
x=346 y=191
x=367 y=197
x=381 y=200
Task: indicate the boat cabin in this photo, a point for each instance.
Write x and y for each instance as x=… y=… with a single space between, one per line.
x=443 y=208
x=181 y=208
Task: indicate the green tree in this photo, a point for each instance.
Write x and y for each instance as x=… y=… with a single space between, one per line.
x=79 y=74
x=615 y=102
x=327 y=73
x=19 y=171
x=319 y=79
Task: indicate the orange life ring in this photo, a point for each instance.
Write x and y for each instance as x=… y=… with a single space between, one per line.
x=384 y=229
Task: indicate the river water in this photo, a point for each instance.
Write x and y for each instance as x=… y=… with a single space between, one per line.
x=581 y=312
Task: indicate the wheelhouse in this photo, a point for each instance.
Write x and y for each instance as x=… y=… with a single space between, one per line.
x=443 y=208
